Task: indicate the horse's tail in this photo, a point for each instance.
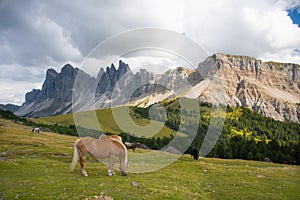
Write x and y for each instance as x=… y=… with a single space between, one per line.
x=75 y=156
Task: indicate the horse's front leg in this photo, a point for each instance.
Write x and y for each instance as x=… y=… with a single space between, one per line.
x=110 y=171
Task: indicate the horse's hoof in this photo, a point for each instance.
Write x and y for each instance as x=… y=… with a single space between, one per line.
x=109 y=174
x=84 y=174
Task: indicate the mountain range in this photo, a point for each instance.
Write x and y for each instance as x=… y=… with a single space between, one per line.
x=270 y=88
x=10 y=107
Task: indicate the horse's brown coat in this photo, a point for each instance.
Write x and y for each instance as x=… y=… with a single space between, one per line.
x=132 y=146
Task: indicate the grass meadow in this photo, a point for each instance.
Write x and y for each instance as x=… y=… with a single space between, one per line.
x=35 y=166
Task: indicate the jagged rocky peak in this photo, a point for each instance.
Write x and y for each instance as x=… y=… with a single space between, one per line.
x=68 y=70
x=100 y=73
x=51 y=73
x=57 y=83
x=108 y=79
x=111 y=70
x=67 y=67
x=56 y=94
x=123 y=67
x=31 y=96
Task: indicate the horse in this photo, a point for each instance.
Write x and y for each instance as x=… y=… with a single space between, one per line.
x=132 y=146
x=36 y=129
x=100 y=149
x=104 y=137
x=195 y=153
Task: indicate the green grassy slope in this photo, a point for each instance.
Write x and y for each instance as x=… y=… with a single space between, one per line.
x=106 y=122
x=35 y=166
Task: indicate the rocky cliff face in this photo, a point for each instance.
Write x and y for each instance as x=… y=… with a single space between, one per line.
x=56 y=94
x=107 y=80
x=272 y=89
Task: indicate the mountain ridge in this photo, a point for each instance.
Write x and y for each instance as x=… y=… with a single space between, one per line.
x=10 y=107
x=270 y=88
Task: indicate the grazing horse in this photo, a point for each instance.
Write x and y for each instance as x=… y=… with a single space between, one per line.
x=195 y=153
x=104 y=137
x=100 y=149
x=132 y=146
x=36 y=129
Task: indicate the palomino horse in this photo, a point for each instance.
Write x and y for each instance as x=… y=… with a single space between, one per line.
x=100 y=149
x=104 y=137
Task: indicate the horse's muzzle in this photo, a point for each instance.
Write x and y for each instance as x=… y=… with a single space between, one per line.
x=124 y=173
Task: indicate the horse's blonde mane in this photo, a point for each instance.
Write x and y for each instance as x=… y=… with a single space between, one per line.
x=105 y=137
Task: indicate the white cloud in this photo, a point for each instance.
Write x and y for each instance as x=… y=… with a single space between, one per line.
x=255 y=28
x=35 y=35
x=14 y=91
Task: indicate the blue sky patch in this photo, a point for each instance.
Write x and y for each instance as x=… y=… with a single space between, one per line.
x=294 y=14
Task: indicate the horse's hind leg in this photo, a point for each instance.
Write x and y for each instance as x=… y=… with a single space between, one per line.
x=82 y=153
x=110 y=171
x=82 y=160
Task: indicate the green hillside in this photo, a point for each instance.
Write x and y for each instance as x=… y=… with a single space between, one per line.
x=106 y=122
x=244 y=134
x=35 y=166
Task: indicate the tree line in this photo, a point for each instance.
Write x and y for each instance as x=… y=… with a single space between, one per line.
x=245 y=133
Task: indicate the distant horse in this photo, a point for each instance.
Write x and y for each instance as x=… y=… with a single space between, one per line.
x=36 y=129
x=132 y=146
x=104 y=137
x=195 y=153
x=100 y=149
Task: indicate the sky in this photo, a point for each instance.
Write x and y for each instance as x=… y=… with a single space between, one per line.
x=36 y=35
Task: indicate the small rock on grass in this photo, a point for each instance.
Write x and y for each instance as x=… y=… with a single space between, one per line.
x=101 y=197
x=134 y=184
